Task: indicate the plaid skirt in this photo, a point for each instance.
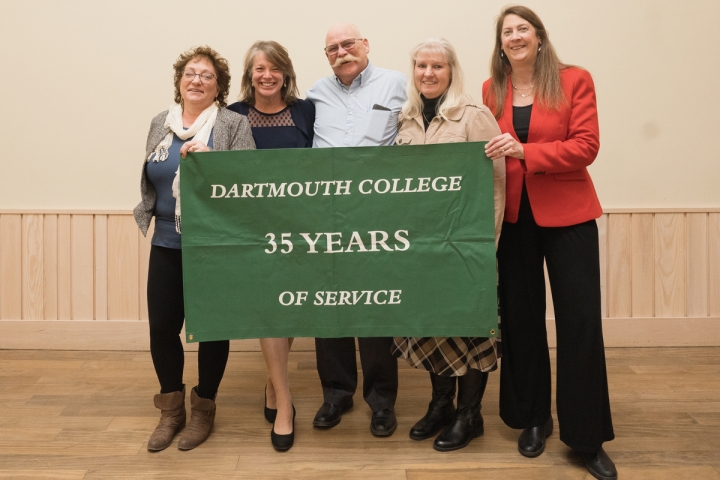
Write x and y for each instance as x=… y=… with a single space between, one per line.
x=448 y=356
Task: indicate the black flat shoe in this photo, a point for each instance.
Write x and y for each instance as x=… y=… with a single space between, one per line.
x=435 y=418
x=330 y=414
x=459 y=433
x=383 y=423
x=283 y=442
x=532 y=440
x=599 y=465
x=270 y=413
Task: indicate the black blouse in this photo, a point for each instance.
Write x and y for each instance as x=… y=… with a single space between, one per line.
x=521 y=121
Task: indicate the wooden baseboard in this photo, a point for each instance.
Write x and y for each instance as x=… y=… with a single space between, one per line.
x=656 y=332
x=97 y=335
x=133 y=335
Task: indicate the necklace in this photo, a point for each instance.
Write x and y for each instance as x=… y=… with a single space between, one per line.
x=523 y=95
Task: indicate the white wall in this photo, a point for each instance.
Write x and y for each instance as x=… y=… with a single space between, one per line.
x=81 y=79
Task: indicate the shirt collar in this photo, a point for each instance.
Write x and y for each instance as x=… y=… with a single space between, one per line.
x=361 y=79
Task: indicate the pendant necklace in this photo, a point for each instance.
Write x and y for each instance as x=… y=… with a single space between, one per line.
x=523 y=95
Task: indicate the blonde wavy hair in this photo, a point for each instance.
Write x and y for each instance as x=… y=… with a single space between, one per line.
x=455 y=94
x=278 y=56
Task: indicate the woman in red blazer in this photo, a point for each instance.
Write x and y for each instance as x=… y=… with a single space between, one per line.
x=548 y=115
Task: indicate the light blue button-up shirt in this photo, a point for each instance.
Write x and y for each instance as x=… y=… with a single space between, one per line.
x=345 y=117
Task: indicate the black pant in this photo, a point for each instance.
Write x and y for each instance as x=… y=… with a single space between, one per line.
x=166 y=312
x=337 y=368
x=572 y=257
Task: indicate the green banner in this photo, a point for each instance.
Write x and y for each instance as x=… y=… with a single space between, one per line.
x=339 y=242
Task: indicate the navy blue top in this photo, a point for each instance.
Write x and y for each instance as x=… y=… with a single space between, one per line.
x=299 y=135
x=161 y=175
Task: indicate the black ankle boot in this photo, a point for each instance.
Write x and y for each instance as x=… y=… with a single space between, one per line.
x=459 y=433
x=435 y=418
x=441 y=410
x=468 y=422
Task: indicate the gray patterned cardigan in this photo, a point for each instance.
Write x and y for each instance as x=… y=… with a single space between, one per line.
x=231 y=132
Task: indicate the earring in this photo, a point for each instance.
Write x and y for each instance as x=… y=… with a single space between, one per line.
x=539 y=48
x=501 y=54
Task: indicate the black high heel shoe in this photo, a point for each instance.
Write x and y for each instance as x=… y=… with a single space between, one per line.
x=270 y=413
x=283 y=442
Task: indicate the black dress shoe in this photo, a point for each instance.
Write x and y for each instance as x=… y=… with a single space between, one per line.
x=532 y=440
x=383 y=423
x=270 y=413
x=330 y=414
x=285 y=441
x=599 y=465
x=435 y=418
x=459 y=433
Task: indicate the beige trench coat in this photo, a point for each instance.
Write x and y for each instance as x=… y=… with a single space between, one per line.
x=454 y=356
x=465 y=123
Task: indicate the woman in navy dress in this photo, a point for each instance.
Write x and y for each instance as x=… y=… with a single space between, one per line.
x=278 y=119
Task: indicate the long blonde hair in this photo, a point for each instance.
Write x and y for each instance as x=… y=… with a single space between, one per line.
x=455 y=94
x=546 y=77
x=278 y=56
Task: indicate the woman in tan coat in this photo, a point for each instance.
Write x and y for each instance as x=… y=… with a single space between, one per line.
x=439 y=111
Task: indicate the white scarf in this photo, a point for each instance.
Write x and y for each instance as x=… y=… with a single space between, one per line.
x=200 y=129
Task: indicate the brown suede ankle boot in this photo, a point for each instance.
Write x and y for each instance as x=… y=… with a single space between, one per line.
x=202 y=417
x=172 y=419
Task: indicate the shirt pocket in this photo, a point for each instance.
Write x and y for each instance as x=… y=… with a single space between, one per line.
x=379 y=120
x=575 y=175
x=403 y=139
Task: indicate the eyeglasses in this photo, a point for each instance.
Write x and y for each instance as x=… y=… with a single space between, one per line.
x=204 y=77
x=348 y=44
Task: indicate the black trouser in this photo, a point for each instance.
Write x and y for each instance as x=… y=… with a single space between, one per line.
x=337 y=368
x=471 y=388
x=572 y=257
x=166 y=312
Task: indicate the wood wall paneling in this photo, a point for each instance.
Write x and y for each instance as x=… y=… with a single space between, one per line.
x=643 y=264
x=82 y=273
x=10 y=267
x=123 y=275
x=619 y=274
x=50 y=268
x=670 y=261
x=697 y=264
x=101 y=267
x=655 y=267
x=64 y=269
x=714 y=264
x=602 y=224
x=144 y=259
x=32 y=267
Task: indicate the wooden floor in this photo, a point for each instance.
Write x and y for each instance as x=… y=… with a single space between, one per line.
x=87 y=415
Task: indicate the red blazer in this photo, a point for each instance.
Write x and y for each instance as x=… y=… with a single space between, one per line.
x=561 y=144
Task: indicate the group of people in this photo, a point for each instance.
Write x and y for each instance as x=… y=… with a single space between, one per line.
x=539 y=118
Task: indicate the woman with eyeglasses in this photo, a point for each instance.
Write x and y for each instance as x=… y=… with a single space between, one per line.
x=439 y=111
x=278 y=119
x=197 y=123
x=547 y=112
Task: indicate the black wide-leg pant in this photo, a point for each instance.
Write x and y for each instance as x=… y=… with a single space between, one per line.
x=572 y=257
x=337 y=368
x=166 y=313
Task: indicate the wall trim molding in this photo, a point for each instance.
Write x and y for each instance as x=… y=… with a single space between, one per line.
x=51 y=211
x=133 y=335
x=110 y=335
